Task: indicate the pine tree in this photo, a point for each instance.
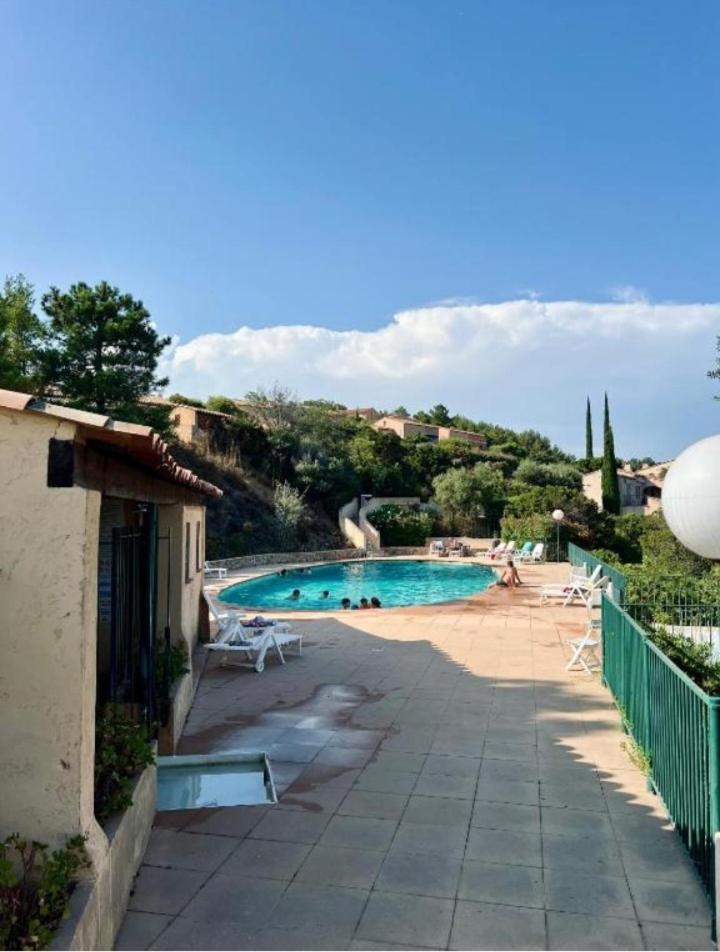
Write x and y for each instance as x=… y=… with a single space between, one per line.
x=104 y=352
x=588 y=432
x=610 y=482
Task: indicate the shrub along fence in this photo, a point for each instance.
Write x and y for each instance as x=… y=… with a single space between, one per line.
x=578 y=556
x=676 y=724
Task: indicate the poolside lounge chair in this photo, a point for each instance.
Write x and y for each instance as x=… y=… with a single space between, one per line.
x=582 y=588
x=251 y=650
x=525 y=552
x=510 y=550
x=437 y=547
x=534 y=555
x=226 y=618
x=499 y=550
x=537 y=552
x=216 y=571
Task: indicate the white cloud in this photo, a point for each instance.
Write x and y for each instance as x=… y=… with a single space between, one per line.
x=523 y=362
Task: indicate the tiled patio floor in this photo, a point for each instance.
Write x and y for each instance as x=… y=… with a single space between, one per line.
x=444 y=784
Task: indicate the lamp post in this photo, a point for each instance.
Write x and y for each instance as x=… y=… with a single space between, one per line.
x=558 y=515
x=691 y=498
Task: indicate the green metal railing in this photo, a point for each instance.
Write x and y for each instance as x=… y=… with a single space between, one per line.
x=578 y=556
x=676 y=724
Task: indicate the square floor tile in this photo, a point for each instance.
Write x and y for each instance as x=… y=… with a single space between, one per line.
x=515 y=817
x=669 y=902
x=188 y=850
x=307 y=905
x=442 y=785
x=501 y=846
x=164 y=891
x=408 y=873
x=438 y=811
x=429 y=838
x=600 y=895
x=339 y=866
x=416 y=920
x=482 y=925
x=266 y=859
x=568 y=931
x=358 y=832
x=291 y=826
x=676 y=938
x=495 y=883
x=382 y=780
x=383 y=806
x=140 y=929
x=249 y=902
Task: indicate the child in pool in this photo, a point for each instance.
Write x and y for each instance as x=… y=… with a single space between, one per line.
x=295 y=595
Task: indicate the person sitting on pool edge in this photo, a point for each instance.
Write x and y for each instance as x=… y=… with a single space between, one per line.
x=510 y=577
x=345 y=604
x=364 y=603
x=375 y=602
x=295 y=594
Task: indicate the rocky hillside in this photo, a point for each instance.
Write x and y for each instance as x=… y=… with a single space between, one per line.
x=242 y=522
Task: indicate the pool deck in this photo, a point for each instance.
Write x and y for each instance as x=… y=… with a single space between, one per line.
x=443 y=782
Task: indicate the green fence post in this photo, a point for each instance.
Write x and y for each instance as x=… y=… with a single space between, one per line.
x=714 y=792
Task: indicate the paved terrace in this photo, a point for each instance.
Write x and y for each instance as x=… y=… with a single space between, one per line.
x=444 y=784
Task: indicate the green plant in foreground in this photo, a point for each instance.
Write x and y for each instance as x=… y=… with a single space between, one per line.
x=637 y=754
x=35 y=887
x=122 y=749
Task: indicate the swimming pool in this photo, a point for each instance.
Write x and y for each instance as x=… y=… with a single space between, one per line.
x=395 y=582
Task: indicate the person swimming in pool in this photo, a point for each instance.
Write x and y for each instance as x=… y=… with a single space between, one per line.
x=375 y=602
x=326 y=594
x=364 y=603
x=345 y=604
x=295 y=594
x=282 y=572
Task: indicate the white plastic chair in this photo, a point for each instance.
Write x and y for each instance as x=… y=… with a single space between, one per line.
x=585 y=648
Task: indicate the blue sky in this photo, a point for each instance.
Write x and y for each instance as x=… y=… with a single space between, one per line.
x=333 y=166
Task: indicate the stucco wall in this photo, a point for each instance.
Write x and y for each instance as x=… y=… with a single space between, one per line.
x=48 y=571
x=185 y=595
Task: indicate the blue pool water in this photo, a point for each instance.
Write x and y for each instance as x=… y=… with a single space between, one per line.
x=395 y=583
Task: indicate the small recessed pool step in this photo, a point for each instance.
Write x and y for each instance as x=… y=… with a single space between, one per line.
x=197 y=781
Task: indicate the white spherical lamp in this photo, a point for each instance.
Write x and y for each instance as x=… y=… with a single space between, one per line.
x=691 y=497
x=558 y=515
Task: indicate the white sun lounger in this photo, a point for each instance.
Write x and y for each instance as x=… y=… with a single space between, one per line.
x=251 y=644
x=216 y=571
x=582 y=588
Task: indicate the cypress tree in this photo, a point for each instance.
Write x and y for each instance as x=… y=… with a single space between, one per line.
x=610 y=482
x=588 y=432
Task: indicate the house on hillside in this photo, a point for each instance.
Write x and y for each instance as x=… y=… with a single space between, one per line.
x=640 y=491
x=101 y=574
x=428 y=431
x=192 y=424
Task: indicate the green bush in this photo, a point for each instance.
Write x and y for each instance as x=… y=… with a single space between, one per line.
x=35 y=888
x=400 y=525
x=530 y=528
x=122 y=750
x=694 y=659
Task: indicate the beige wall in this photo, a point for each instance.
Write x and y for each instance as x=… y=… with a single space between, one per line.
x=48 y=598
x=185 y=419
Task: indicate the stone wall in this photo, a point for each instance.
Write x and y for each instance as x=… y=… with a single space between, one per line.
x=289 y=558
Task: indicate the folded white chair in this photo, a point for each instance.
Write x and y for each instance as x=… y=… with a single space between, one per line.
x=216 y=571
x=537 y=553
x=584 y=649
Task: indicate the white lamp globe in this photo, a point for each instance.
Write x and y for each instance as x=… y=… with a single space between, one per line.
x=558 y=515
x=691 y=497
